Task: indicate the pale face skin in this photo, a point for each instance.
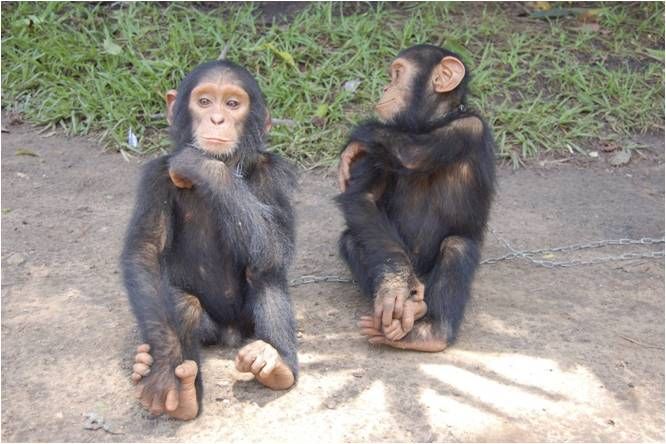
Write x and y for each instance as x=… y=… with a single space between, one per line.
x=219 y=107
x=445 y=77
x=396 y=93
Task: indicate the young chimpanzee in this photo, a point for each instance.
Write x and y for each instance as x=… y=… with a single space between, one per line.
x=209 y=244
x=417 y=185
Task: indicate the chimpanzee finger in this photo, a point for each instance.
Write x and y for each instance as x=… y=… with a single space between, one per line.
x=378 y=340
x=156 y=408
x=377 y=316
x=138 y=391
x=249 y=359
x=268 y=368
x=135 y=377
x=366 y=321
x=141 y=369
x=143 y=348
x=241 y=363
x=367 y=326
x=387 y=311
x=172 y=401
x=257 y=365
x=371 y=332
x=408 y=318
x=143 y=358
x=399 y=306
x=396 y=336
x=394 y=332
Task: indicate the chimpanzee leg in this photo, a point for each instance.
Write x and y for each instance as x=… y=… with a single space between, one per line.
x=191 y=319
x=448 y=285
x=447 y=290
x=171 y=353
x=273 y=357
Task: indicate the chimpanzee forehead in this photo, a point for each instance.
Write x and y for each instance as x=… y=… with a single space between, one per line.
x=423 y=56
x=222 y=76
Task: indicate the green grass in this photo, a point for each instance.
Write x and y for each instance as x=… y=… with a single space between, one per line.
x=544 y=86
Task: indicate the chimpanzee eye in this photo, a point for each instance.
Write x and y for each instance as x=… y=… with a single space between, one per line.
x=233 y=103
x=204 y=101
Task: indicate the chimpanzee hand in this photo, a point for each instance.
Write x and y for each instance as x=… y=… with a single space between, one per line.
x=264 y=361
x=191 y=167
x=353 y=150
x=391 y=298
x=399 y=328
x=181 y=404
x=158 y=387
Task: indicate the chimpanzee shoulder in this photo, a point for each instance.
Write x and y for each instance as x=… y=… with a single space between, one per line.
x=274 y=170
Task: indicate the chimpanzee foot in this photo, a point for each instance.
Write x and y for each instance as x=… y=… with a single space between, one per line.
x=262 y=360
x=420 y=338
x=179 y=404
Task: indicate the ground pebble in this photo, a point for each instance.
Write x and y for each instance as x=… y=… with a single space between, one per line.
x=15 y=259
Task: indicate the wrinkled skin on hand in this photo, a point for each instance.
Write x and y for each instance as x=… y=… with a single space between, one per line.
x=264 y=362
x=391 y=302
x=190 y=167
x=162 y=390
x=353 y=151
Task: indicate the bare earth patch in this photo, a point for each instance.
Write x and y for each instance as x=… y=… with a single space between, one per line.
x=543 y=354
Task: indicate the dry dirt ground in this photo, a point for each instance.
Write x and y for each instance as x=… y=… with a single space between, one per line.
x=544 y=355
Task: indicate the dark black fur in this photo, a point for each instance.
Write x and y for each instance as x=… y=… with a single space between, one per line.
x=228 y=241
x=427 y=220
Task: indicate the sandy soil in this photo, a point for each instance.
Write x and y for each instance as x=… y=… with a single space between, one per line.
x=544 y=355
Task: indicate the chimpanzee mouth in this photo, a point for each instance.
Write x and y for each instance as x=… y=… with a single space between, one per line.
x=386 y=102
x=216 y=140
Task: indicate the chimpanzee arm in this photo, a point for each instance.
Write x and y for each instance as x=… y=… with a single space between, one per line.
x=272 y=182
x=249 y=222
x=422 y=152
x=147 y=287
x=385 y=251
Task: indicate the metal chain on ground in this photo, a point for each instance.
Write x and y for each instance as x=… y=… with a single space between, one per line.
x=304 y=280
x=529 y=256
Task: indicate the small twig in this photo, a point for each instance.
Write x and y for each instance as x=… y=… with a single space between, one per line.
x=46 y=128
x=546 y=162
x=225 y=50
x=634 y=341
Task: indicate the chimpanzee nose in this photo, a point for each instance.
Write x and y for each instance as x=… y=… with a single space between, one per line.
x=217 y=119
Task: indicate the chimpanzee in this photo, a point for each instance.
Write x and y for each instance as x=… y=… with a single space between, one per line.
x=207 y=250
x=417 y=185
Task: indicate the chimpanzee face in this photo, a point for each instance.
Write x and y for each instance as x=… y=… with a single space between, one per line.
x=219 y=107
x=397 y=93
x=416 y=81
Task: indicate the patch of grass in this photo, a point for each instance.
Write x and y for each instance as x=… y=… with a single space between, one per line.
x=544 y=86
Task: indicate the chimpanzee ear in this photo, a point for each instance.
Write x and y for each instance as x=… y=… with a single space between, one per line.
x=268 y=122
x=170 y=98
x=448 y=74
